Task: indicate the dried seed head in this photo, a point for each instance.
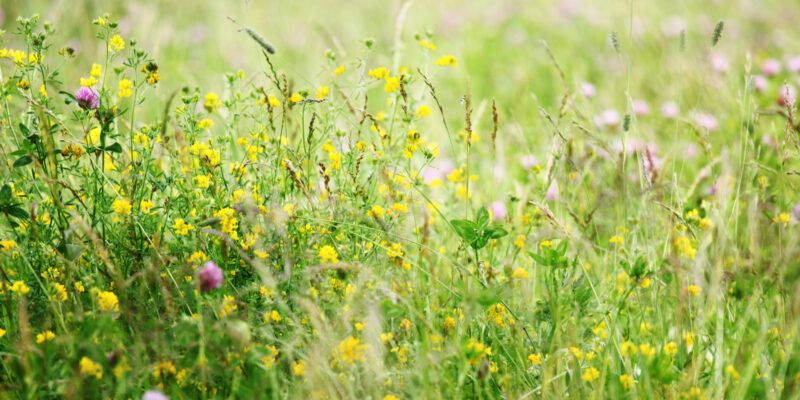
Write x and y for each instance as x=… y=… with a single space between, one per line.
x=267 y=46
x=615 y=42
x=717 y=33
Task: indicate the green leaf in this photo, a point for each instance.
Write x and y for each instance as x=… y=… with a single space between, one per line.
x=114 y=148
x=495 y=232
x=483 y=217
x=24 y=129
x=5 y=193
x=18 y=212
x=465 y=229
x=23 y=161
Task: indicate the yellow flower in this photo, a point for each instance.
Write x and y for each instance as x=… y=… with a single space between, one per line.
x=328 y=254
x=423 y=111
x=535 y=359
x=7 y=245
x=299 y=368
x=695 y=290
x=61 y=292
x=19 y=287
x=590 y=374
x=782 y=218
x=295 y=97
x=520 y=273
x=125 y=88
x=181 y=227
x=427 y=44
x=628 y=348
x=378 y=73
x=23 y=84
x=146 y=206
x=43 y=91
x=203 y=181
x=322 y=92
x=107 y=301
x=273 y=101
x=671 y=348
x=45 y=336
x=89 y=367
x=447 y=60
x=2 y=332
x=122 y=207
x=212 y=102
x=339 y=70
x=97 y=70
x=626 y=381
x=116 y=43
x=350 y=350
x=392 y=84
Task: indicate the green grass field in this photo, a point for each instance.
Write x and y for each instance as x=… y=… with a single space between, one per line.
x=399 y=200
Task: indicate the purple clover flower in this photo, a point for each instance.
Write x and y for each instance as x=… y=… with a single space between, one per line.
x=210 y=276
x=87 y=98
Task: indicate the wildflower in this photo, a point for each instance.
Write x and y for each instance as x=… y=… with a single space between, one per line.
x=45 y=336
x=97 y=70
x=731 y=370
x=339 y=70
x=378 y=73
x=498 y=210
x=590 y=374
x=2 y=332
x=146 y=206
x=626 y=381
x=181 y=227
x=19 y=287
x=390 y=397
x=23 y=84
x=782 y=218
x=125 y=88
x=695 y=290
x=116 y=43
x=423 y=111
x=322 y=92
x=328 y=254
x=87 y=98
x=671 y=348
x=121 y=207
x=520 y=241
x=6 y=245
x=427 y=44
x=154 y=395
x=61 y=292
x=273 y=316
x=521 y=274
x=628 y=348
x=273 y=101
x=617 y=240
x=447 y=60
x=210 y=276
x=107 y=301
x=295 y=97
x=299 y=368
x=392 y=84
x=350 y=350
x=535 y=359
x=89 y=367
x=203 y=181
x=212 y=102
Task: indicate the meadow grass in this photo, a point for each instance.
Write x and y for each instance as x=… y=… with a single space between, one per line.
x=579 y=201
